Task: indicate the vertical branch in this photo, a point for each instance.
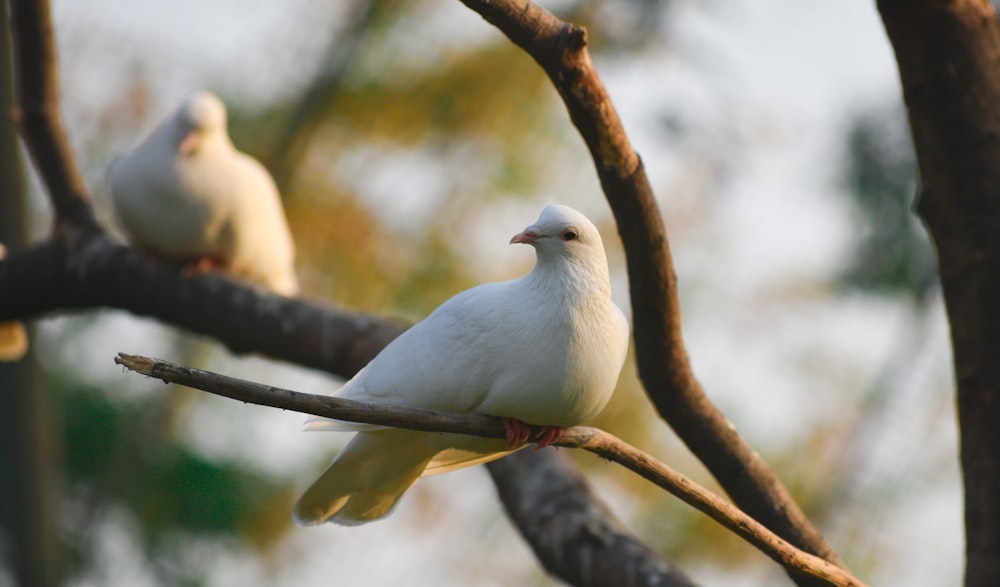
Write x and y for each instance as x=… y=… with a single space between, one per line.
x=28 y=440
x=38 y=112
x=947 y=53
x=664 y=366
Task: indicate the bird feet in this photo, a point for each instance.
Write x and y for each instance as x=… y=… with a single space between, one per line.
x=517 y=432
x=194 y=266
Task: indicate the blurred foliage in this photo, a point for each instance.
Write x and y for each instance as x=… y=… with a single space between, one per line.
x=894 y=253
x=115 y=456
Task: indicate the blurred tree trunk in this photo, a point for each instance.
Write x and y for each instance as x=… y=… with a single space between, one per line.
x=26 y=439
x=948 y=55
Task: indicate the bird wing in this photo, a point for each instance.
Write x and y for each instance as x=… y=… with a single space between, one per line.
x=438 y=364
x=262 y=247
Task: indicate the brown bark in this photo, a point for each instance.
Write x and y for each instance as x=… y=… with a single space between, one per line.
x=948 y=55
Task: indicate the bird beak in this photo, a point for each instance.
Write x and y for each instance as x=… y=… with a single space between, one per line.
x=527 y=236
x=190 y=143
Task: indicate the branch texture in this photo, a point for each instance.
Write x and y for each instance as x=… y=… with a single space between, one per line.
x=591 y=439
x=664 y=368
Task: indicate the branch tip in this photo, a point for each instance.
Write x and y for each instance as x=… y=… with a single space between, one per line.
x=139 y=364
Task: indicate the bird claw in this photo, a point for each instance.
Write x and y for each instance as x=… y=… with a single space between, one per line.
x=517 y=432
x=195 y=266
x=548 y=435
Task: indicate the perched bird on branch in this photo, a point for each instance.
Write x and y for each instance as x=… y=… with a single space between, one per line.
x=544 y=350
x=188 y=195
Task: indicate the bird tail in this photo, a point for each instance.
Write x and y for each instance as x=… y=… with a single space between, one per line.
x=366 y=479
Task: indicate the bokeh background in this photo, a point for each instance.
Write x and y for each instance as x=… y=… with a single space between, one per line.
x=410 y=141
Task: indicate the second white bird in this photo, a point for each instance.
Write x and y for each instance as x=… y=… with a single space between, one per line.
x=187 y=194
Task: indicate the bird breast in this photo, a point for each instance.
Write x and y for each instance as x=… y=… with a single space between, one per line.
x=565 y=368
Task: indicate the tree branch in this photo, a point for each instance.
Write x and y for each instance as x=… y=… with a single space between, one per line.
x=37 y=84
x=664 y=367
x=96 y=272
x=591 y=439
x=947 y=53
x=552 y=504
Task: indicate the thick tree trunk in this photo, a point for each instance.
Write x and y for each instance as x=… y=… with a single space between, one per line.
x=949 y=62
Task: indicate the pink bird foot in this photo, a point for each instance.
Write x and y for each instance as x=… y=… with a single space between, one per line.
x=517 y=433
x=548 y=435
x=194 y=266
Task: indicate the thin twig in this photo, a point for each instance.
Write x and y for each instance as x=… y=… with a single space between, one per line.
x=591 y=439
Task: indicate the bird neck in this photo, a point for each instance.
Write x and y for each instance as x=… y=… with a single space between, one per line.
x=217 y=141
x=572 y=278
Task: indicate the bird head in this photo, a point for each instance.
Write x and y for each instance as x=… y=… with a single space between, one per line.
x=563 y=233
x=202 y=116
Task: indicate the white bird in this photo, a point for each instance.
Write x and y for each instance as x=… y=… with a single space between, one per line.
x=545 y=349
x=188 y=194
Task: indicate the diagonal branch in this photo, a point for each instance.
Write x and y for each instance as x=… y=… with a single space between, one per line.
x=37 y=83
x=590 y=439
x=561 y=49
x=552 y=503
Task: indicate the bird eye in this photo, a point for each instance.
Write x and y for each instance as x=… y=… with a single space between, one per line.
x=569 y=235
